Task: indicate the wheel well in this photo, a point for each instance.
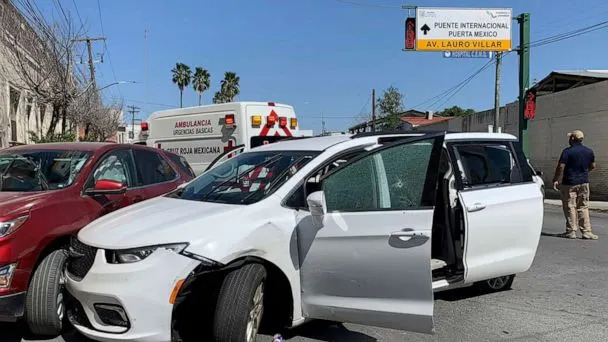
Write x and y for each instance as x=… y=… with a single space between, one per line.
x=58 y=243
x=198 y=298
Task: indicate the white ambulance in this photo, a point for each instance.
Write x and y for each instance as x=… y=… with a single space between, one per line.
x=201 y=134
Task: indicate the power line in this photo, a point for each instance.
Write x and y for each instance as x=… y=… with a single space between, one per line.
x=105 y=46
x=362 y=4
x=449 y=93
x=78 y=14
x=152 y=103
x=464 y=83
x=570 y=34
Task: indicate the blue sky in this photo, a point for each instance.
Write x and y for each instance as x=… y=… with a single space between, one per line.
x=321 y=56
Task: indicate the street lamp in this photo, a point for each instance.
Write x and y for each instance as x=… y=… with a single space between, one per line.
x=115 y=83
x=104 y=87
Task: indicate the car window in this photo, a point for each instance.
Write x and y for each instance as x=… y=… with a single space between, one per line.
x=246 y=178
x=152 y=168
x=390 y=179
x=297 y=200
x=182 y=164
x=484 y=164
x=39 y=170
x=115 y=166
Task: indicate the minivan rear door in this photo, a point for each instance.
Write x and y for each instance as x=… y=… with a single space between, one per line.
x=368 y=261
x=503 y=208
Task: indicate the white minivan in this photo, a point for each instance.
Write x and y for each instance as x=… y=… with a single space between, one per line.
x=360 y=229
x=200 y=134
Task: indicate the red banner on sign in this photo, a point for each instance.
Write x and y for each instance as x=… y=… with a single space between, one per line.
x=530 y=110
x=410 y=33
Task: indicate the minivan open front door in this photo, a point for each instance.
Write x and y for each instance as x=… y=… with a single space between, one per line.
x=367 y=259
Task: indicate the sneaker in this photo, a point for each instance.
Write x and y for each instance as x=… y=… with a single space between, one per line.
x=568 y=235
x=590 y=236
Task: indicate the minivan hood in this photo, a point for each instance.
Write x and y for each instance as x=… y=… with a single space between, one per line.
x=15 y=203
x=160 y=220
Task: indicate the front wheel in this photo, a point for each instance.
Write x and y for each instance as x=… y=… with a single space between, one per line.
x=44 y=304
x=496 y=284
x=240 y=305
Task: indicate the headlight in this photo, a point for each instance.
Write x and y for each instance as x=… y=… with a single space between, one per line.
x=127 y=256
x=8 y=227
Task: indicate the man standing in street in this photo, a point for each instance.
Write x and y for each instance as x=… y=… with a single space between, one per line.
x=572 y=173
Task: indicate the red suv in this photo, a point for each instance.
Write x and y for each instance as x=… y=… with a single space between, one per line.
x=47 y=193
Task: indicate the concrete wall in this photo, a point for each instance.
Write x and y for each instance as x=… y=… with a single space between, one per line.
x=584 y=108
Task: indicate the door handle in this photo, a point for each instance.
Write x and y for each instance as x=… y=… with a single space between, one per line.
x=407 y=238
x=476 y=207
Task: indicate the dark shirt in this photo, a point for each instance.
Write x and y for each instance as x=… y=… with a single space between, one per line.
x=577 y=159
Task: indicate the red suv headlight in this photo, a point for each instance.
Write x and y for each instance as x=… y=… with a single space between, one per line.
x=8 y=227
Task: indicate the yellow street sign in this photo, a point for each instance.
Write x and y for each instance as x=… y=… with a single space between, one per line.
x=463 y=29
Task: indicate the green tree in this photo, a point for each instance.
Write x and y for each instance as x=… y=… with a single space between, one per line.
x=455 y=111
x=181 y=77
x=229 y=88
x=391 y=107
x=201 y=82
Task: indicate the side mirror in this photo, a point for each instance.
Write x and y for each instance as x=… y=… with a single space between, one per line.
x=107 y=187
x=538 y=173
x=315 y=205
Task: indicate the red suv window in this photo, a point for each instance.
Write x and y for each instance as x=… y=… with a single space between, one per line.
x=181 y=163
x=152 y=168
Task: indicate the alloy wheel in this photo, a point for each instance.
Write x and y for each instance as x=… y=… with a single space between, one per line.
x=255 y=314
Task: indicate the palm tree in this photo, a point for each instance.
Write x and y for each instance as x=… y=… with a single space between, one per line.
x=201 y=82
x=230 y=86
x=181 y=77
x=219 y=97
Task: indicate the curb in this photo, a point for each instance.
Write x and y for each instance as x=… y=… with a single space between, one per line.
x=557 y=203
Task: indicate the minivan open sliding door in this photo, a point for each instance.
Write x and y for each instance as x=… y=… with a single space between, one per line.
x=503 y=208
x=368 y=261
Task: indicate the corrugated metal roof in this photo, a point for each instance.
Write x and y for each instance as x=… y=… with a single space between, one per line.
x=584 y=73
x=560 y=80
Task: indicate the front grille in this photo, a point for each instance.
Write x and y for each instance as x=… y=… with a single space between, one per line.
x=80 y=260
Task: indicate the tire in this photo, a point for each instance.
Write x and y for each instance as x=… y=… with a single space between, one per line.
x=44 y=304
x=496 y=284
x=240 y=305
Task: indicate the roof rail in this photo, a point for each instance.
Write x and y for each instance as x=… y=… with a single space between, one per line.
x=378 y=133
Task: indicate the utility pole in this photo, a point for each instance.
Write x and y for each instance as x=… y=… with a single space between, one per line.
x=497 y=93
x=89 y=40
x=133 y=110
x=373 y=110
x=322 y=124
x=524 y=78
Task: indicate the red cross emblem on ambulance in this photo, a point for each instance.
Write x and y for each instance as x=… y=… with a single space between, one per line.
x=270 y=128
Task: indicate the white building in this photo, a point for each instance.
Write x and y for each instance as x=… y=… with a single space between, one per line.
x=20 y=113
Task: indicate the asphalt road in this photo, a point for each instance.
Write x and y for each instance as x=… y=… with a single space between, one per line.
x=564 y=297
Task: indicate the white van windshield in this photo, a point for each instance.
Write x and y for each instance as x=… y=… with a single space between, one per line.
x=246 y=178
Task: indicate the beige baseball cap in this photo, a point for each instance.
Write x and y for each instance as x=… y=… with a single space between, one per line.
x=576 y=134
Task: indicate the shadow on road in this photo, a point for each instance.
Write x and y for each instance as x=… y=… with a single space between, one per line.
x=17 y=332
x=460 y=294
x=327 y=331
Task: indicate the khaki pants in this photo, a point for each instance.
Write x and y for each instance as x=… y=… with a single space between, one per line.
x=575 y=201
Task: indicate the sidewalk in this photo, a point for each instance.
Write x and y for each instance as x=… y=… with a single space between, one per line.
x=593 y=205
